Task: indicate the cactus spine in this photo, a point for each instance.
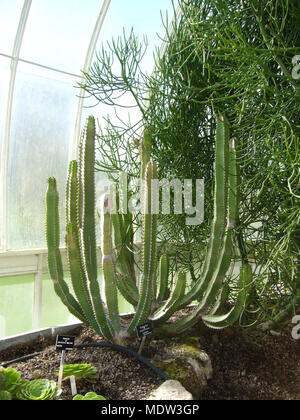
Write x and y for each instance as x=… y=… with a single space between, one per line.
x=97 y=304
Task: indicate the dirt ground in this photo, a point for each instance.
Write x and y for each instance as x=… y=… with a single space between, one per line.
x=252 y=366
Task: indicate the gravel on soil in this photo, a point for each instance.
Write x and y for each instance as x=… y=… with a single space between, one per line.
x=246 y=366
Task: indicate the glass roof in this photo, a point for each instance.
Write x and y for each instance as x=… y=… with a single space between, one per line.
x=44 y=46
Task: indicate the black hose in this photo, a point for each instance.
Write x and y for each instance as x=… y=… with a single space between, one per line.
x=20 y=359
x=115 y=347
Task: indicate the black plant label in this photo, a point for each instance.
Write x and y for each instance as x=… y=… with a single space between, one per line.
x=64 y=342
x=144 y=330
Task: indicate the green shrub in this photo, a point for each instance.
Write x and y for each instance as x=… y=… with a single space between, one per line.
x=219 y=57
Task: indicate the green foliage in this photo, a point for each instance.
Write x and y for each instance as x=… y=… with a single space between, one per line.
x=90 y=396
x=219 y=57
x=80 y=371
x=38 y=390
x=100 y=309
x=10 y=383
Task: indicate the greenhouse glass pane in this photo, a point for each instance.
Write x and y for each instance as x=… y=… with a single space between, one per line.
x=10 y=12
x=147 y=18
x=50 y=300
x=58 y=32
x=61 y=315
x=144 y=17
x=16 y=305
x=4 y=83
x=43 y=121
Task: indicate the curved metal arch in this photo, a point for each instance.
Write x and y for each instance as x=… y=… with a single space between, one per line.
x=15 y=58
x=7 y=126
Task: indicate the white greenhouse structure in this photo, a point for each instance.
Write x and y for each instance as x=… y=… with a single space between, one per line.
x=46 y=46
x=149 y=202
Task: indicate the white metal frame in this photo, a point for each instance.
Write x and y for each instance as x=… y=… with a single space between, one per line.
x=20 y=262
x=6 y=138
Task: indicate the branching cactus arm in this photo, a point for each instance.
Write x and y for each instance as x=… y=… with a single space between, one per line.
x=129 y=244
x=173 y=303
x=128 y=289
x=54 y=256
x=126 y=278
x=87 y=225
x=87 y=173
x=148 y=257
x=223 y=321
x=145 y=152
x=246 y=277
x=213 y=288
x=78 y=277
x=124 y=243
x=78 y=274
x=163 y=278
x=216 y=241
x=232 y=219
x=108 y=265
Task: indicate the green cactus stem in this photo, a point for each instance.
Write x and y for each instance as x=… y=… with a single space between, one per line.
x=148 y=256
x=223 y=321
x=173 y=304
x=110 y=295
x=163 y=278
x=54 y=255
x=95 y=303
x=216 y=241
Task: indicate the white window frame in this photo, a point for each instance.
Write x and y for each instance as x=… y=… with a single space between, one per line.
x=24 y=262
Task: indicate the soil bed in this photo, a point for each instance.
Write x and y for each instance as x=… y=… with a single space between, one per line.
x=258 y=366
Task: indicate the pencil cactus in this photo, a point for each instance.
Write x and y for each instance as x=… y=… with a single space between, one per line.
x=96 y=300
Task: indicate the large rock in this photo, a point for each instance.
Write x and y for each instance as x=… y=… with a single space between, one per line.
x=186 y=362
x=171 y=390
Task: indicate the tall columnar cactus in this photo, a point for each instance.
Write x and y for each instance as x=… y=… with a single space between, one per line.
x=96 y=300
x=88 y=305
